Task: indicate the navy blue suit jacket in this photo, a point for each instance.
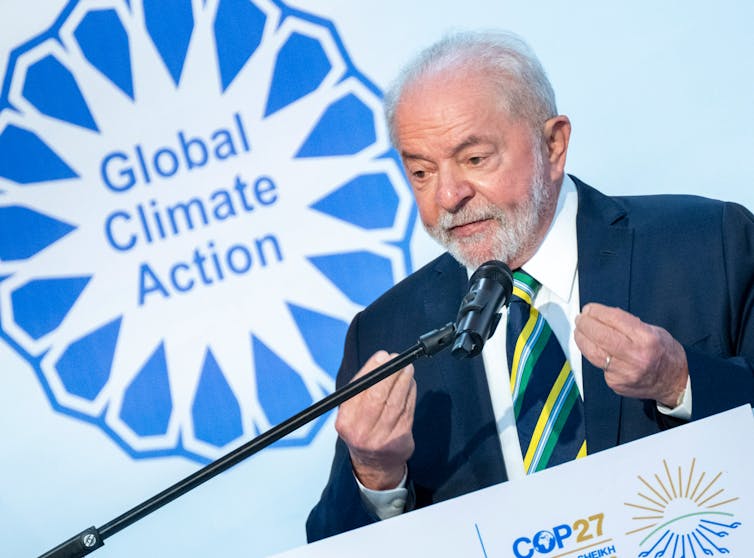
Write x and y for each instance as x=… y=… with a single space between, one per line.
x=680 y=262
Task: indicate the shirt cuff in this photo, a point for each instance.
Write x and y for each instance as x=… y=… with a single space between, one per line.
x=683 y=409
x=385 y=503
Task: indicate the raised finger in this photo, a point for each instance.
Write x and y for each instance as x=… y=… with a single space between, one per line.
x=410 y=407
x=379 y=392
x=602 y=334
x=595 y=353
x=614 y=318
x=401 y=398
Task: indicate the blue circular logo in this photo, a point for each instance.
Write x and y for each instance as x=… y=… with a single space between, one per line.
x=194 y=200
x=544 y=542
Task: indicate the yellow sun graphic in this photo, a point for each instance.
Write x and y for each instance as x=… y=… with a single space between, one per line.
x=683 y=513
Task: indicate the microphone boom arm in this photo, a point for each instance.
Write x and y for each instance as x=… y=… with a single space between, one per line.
x=93 y=538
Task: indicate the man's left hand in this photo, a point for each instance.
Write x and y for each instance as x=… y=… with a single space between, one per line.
x=640 y=360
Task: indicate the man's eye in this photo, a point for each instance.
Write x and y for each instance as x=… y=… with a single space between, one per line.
x=474 y=161
x=419 y=174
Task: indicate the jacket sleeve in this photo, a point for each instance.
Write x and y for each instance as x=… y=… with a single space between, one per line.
x=727 y=381
x=340 y=507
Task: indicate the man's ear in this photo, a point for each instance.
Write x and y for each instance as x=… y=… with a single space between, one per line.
x=557 y=133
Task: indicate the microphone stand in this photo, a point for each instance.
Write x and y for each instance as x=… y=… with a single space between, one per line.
x=93 y=538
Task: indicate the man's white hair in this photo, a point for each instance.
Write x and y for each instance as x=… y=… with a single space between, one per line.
x=503 y=57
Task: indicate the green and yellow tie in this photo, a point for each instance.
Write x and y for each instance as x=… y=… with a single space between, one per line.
x=548 y=407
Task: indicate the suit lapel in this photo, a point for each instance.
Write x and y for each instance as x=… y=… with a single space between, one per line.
x=444 y=291
x=480 y=457
x=442 y=299
x=605 y=243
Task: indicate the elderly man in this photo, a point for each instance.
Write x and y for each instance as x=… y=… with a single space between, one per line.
x=634 y=303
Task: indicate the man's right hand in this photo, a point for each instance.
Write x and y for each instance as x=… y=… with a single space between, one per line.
x=376 y=426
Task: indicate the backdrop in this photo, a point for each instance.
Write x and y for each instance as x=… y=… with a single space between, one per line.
x=197 y=196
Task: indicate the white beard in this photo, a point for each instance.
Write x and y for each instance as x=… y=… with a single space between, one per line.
x=513 y=235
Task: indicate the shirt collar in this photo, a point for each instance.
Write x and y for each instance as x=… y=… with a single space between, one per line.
x=555 y=262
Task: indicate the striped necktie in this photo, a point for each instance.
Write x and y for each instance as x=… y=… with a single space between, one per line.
x=546 y=401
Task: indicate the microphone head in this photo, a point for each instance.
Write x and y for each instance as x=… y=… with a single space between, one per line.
x=490 y=288
x=498 y=272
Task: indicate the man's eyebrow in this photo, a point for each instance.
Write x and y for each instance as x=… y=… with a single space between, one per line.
x=415 y=156
x=470 y=141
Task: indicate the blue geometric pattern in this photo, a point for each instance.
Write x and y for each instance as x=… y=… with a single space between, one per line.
x=41 y=305
x=275 y=377
x=216 y=413
x=239 y=26
x=301 y=66
x=170 y=24
x=52 y=89
x=104 y=42
x=328 y=138
x=84 y=367
x=362 y=276
x=323 y=336
x=368 y=201
x=18 y=146
x=147 y=403
x=68 y=310
x=25 y=232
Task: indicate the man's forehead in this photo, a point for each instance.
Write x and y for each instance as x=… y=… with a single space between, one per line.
x=449 y=123
x=447 y=82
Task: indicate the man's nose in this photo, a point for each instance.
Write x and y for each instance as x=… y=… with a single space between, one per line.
x=453 y=190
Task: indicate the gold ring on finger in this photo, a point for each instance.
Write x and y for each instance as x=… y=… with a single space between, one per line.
x=608 y=360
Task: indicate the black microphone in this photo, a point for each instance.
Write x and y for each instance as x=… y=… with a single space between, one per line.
x=490 y=288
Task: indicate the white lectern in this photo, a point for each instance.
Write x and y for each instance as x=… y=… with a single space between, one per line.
x=684 y=493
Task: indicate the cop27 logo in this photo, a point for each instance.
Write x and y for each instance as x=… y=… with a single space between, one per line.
x=195 y=197
x=683 y=512
x=584 y=536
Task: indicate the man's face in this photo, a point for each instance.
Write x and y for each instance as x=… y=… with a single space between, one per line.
x=478 y=174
